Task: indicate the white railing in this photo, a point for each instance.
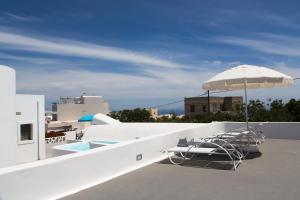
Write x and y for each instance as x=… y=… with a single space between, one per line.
x=55 y=140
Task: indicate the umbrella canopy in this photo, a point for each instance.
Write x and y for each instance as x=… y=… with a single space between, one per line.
x=247 y=77
x=86 y=118
x=250 y=76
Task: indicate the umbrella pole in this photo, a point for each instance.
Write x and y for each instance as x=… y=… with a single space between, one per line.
x=246 y=104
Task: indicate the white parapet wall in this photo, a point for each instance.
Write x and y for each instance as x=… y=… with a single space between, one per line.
x=57 y=177
x=272 y=130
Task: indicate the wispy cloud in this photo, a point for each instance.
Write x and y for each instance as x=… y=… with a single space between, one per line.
x=65 y=47
x=166 y=84
x=284 y=45
x=165 y=81
x=32 y=60
x=22 y=18
x=161 y=85
x=279 y=20
x=248 y=18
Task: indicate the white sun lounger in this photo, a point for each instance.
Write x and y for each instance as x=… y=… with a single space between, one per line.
x=247 y=140
x=252 y=132
x=192 y=150
x=217 y=149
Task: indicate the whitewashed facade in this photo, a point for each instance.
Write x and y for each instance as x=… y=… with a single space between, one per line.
x=22 y=134
x=72 y=108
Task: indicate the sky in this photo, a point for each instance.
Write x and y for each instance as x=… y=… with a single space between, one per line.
x=145 y=53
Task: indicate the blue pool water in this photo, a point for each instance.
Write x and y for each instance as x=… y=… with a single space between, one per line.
x=84 y=146
x=105 y=142
x=81 y=146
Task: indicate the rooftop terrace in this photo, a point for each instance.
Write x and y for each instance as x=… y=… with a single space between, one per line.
x=272 y=175
x=135 y=167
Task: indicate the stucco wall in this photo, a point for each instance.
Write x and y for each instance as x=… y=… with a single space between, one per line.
x=7 y=116
x=273 y=130
x=71 y=173
x=31 y=110
x=19 y=108
x=91 y=105
x=131 y=131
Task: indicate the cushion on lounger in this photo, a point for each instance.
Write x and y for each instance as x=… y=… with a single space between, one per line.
x=182 y=143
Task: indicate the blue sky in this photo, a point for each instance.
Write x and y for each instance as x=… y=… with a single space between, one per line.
x=144 y=53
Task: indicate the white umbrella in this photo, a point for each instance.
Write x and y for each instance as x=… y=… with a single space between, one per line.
x=245 y=77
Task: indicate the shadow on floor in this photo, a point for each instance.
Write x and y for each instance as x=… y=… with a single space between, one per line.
x=253 y=155
x=219 y=162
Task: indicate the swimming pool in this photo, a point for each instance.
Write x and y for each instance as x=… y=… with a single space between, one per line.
x=79 y=146
x=104 y=142
x=84 y=146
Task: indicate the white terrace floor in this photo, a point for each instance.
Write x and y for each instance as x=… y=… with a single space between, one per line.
x=275 y=174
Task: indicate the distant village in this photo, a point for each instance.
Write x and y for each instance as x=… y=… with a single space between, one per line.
x=67 y=111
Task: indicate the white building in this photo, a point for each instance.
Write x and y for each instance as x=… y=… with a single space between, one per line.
x=22 y=135
x=72 y=108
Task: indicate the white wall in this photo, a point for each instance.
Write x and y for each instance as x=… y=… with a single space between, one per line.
x=91 y=105
x=272 y=130
x=7 y=116
x=31 y=110
x=131 y=131
x=71 y=173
